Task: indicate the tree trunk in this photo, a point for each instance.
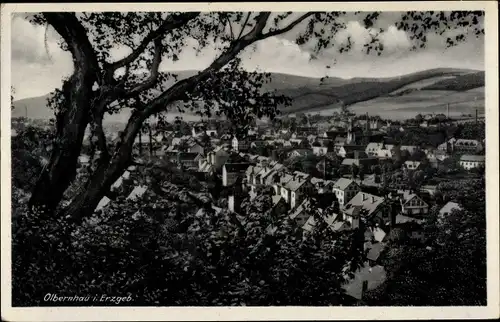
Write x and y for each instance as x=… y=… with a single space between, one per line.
x=84 y=204
x=72 y=122
x=72 y=119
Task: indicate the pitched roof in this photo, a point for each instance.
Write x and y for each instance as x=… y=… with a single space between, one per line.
x=375 y=250
x=363 y=201
x=188 y=156
x=103 y=203
x=466 y=142
x=342 y=183
x=276 y=199
x=402 y=219
x=416 y=163
x=350 y=161
x=137 y=192
x=472 y=158
x=206 y=167
x=449 y=207
x=407 y=196
x=300 y=209
x=374 y=146
x=236 y=167
x=295 y=184
x=377 y=233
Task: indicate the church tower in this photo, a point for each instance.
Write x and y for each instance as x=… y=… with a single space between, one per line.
x=351 y=136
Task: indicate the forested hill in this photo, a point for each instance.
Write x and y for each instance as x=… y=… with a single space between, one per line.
x=310 y=94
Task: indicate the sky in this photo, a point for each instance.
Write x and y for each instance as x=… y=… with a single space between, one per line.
x=39 y=65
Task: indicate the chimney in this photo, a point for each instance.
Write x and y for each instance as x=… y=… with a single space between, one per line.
x=373 y=199
x=364 y=196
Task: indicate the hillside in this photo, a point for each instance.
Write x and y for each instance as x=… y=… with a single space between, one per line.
x=459 y=83
x=420 y=90
x=314 y=98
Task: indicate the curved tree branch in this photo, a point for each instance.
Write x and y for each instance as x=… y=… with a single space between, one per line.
x=287 y=28
x=151 y=81
x=171 y=23
x=244 y=25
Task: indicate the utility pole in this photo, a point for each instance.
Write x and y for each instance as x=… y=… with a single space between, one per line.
x=476 y=115
x=448 y=111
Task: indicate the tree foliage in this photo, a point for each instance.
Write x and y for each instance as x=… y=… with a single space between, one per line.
x=449 y=269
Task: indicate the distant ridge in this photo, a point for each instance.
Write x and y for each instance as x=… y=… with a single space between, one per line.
x=312 y=94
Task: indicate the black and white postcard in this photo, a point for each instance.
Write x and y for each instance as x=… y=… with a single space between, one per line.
x=249 y=161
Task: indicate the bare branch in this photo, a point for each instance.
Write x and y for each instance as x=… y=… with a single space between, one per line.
x=230 y=26
x=287 y=28
x=244 y=25
x=151 y=81
x=171 y=23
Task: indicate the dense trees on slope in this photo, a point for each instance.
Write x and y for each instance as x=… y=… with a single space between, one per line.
x=450 y=268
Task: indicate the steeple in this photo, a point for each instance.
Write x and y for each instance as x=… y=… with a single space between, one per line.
x=351 y=137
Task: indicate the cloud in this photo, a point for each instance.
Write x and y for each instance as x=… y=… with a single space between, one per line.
x=37 y=66
x=35 y=73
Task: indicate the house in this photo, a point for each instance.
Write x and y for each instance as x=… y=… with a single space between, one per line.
x=118 y=183
x=137 y=192
x=344 y=190
x=348 y=151
x=279 y=205
x=412 y=165
x=385 y=153
x=365 y=205
x=409 y=148
x=103 y=203
x=412 y=204
x=217 y=157
x=360 y=158
x=372 y=148
x=304 y=131
x=463 y=145
x=297 y=188
x=204 y=166
x=189 y=160
x=469 y=162
x=437 y=155
x=332 y=133
x=301 y=214
x=240 y=144
x=322 y=186
x=300 y=153
x=447 y=146
x=376 y=124
x=232 y=171
x=320 y=150
x=188 y=144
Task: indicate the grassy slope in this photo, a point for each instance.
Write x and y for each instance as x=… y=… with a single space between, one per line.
x=358 y=90
x=460 y=83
